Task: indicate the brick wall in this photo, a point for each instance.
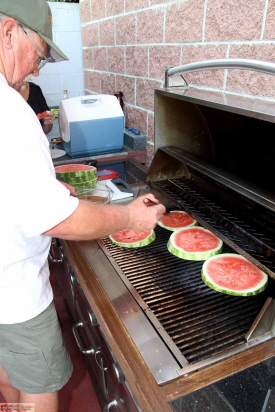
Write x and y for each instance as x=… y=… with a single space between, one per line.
x=127 y=44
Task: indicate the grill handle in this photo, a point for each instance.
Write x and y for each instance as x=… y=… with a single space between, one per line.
x=243 y=64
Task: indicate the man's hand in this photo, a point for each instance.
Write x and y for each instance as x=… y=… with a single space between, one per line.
x=142 y=217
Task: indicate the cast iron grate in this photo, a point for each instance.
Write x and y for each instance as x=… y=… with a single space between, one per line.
x=200 y=321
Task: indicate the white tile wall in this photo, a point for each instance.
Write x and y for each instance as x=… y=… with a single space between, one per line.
x=56 y=77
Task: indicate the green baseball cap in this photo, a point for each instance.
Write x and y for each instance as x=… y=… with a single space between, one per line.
x=37 y=15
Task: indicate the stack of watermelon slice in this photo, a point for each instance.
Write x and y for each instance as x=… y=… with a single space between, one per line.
x=78 y=175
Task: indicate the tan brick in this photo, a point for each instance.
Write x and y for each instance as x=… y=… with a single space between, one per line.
x=114 y=7
x=137 y=60
x=107 y=32
x=100 y=58
x=115 y=59
x=150 y=153
x=270 y=19
x=85 y=11
x=150 y=26
x=107 y=83
x=87 y=55
x=136 y=118
x=126 y=29
x=151 y=128
x=135 y=4
x=145 y=93
x=251 y=82
x=90 y=35
x=127 y=86
x=210 y=78
x=234 y=20
x=98 y=9
x=92 y=81
x=161 y=57
x=184 y=22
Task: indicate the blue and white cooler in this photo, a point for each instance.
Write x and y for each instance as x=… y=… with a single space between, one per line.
x=91 y=124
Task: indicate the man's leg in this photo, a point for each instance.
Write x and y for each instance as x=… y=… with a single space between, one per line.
x=11 y=394
x=43 y=402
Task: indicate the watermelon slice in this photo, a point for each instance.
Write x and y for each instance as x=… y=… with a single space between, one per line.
x=176 y=219
x=194 y=243
x=132 y=238
x=233 y=274
x=77 y=175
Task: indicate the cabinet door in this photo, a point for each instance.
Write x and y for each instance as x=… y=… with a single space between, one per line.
x=66 y=277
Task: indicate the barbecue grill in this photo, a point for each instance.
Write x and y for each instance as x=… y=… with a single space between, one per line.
x=214 y=160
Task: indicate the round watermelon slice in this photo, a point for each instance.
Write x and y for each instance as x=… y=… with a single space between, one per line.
x=234 y=275
x=176 y=219
x=132 y=238
x=76 y=173
x=194 y=243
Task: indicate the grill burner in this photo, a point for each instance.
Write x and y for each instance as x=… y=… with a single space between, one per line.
x=200 y=321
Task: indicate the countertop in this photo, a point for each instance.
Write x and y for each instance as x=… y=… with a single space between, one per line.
x=124 y=154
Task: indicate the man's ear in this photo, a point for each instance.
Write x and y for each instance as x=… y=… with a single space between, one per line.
x=8 y=29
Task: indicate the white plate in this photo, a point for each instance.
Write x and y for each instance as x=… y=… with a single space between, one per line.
x=57 y=153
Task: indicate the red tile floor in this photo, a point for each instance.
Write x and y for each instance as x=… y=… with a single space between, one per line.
x=78 y=394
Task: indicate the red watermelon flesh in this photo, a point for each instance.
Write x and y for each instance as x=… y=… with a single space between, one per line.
x=176 y=219
x=196 y=240
x=234 y=272
x=129 y=236
x=73 y=168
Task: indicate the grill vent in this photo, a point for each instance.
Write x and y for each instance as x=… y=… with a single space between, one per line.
x=200 y=321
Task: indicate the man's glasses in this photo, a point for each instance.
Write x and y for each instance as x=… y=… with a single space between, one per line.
x=41 y=60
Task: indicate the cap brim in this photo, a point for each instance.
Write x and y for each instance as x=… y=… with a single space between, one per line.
x=54 y=54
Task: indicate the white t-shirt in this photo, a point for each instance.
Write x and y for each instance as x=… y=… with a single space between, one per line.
x=32 y=202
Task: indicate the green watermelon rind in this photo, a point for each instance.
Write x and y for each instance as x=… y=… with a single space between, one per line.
x=145 y=242
x=248 y=292
x=173 y=229
x=75 y=176
x=180 y=253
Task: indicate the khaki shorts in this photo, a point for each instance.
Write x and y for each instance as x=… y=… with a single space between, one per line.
x=34 y=355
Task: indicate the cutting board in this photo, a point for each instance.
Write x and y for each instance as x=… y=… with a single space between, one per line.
x=116 y=192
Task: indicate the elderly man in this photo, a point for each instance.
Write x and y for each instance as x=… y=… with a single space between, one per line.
x=35 y=207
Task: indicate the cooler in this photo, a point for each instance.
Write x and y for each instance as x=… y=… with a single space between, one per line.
x=91 y=124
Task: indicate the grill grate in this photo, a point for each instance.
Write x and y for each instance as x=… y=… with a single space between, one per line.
x=200 y=321
x=247 y=228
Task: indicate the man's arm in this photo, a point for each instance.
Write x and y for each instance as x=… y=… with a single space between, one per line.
x=92 y=221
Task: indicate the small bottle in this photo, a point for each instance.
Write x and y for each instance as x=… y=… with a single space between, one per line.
x=65 y=94
x=119 y=96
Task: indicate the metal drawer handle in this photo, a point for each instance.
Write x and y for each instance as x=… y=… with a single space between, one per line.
x=56 y=260
x=73 y=278
x=118 y=371
x=110 y=404
x=78 y=340
x=61 y=254
x=92 y=317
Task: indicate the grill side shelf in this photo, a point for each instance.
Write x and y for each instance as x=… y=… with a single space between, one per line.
x=238 y=227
